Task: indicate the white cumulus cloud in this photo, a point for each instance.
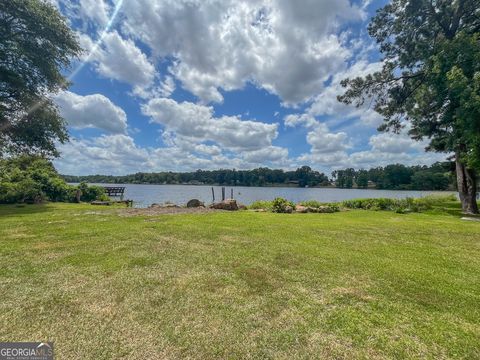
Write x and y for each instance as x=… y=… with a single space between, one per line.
x=198 y=124
x=91 y=111
x=287 y=48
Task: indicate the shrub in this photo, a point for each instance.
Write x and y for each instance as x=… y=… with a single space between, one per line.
x=26 y=190
x=30 y=192
x=280 y=205
x=261 y=204
x=58 y=190
x=312 y=203
x=91 y=193
x=401 y=206
x=9 y=193
x=369 y=204
x=33 y=179
x=436 y=200
x=324 y=207
x=334 y=207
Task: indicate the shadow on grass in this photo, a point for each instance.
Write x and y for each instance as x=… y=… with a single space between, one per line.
x=23 y=209
x=450 y=208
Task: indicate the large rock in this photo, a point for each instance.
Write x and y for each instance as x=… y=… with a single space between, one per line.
x=288 y=209
x=230 y=205
x=195 y=203
x=301 y=209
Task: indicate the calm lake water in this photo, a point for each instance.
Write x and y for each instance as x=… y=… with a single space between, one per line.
x=145 y=195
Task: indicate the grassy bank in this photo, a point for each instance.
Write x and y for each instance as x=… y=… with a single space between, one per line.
x=355 y=284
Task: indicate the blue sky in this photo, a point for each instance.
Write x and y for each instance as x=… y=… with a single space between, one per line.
x=180 y=85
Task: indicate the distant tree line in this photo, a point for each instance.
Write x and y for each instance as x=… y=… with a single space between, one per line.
x=439 y=176
x=397 y=176
x=303 y=176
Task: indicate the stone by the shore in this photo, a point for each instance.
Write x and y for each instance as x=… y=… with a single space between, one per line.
x=309 y=209
x=229 y=204
x=194 y=203
x=162 y=206
x=301 y=209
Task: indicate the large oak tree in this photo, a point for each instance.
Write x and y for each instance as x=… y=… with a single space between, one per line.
x=36 y=44
x=430 y=80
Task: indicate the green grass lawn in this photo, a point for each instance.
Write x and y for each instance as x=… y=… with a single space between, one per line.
x=349 y=285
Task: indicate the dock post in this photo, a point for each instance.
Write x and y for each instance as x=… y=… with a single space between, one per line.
x=213 y=195
x=223 y=193
x=231 y=192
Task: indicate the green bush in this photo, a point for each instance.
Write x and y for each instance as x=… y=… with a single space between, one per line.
x=312 y=203
x=322 y=207
x=281 y=205
x=31 y=179
x=23 y=191
x=9 y=193
x=31 y=192
x=91 y=193
x=401 y=206
x=261 y=204
x=370 y=204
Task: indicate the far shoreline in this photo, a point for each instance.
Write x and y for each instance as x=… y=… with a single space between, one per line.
x=280 y=186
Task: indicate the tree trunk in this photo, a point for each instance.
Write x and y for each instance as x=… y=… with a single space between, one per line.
x=467 y=186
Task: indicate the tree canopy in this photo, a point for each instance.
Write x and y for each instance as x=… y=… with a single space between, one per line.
x=33 y=179
x=398 y=177
x=36 y=44
x=430 y=79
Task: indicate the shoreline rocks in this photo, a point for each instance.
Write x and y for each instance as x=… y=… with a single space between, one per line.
x=163 y=206
x=229 y=205
x=301 y=209
x=195 y=203
x=232 y=205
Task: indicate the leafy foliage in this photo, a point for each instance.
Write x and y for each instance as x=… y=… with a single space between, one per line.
x=430 y=79
x=326 y=207
x=92 y=192
x=36 y=44
x=281 y=205
x=399 y=205
x=27 y=179
x=261 y=204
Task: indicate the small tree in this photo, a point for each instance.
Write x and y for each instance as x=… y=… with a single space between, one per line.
x=35 y=45
x=430 y=79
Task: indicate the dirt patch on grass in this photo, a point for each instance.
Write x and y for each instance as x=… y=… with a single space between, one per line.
x=165 y=211
x=352 y=293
